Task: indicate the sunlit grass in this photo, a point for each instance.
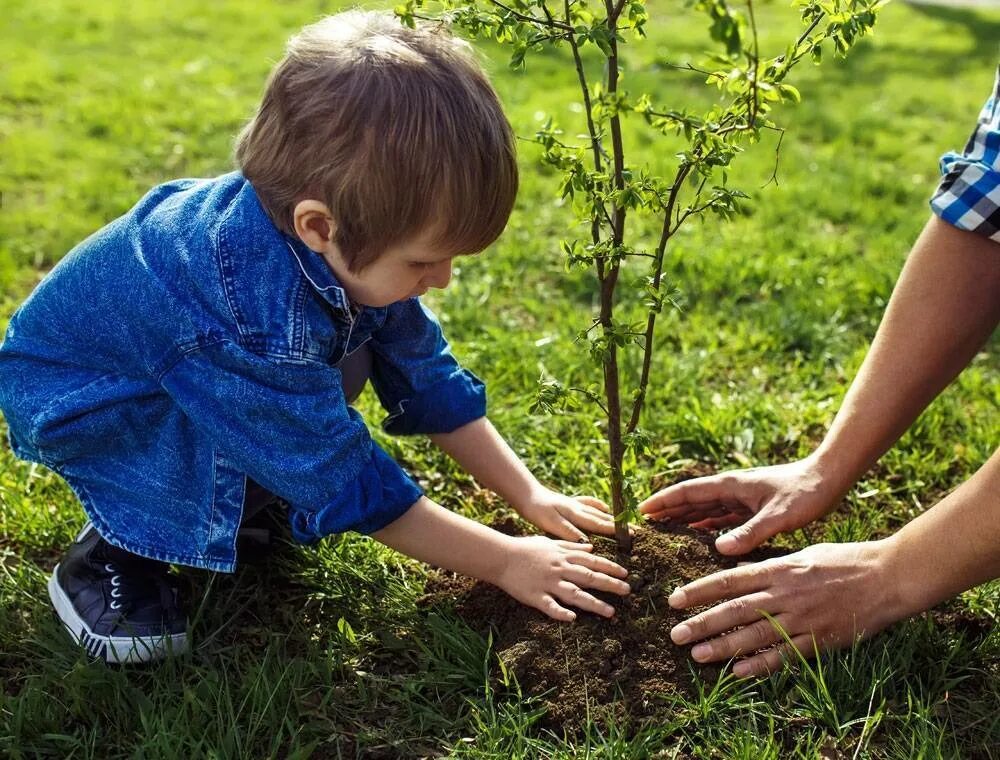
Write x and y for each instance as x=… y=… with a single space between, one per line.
x=100 y=101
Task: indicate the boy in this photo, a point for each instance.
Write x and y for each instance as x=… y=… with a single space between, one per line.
x=197 y=355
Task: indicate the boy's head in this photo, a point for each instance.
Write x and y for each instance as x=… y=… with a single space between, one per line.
x=383 y=148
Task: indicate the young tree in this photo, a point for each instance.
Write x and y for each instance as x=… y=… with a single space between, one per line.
x=609 y=192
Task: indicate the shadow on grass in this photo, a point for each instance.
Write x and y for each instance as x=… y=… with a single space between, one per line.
x=983 y=27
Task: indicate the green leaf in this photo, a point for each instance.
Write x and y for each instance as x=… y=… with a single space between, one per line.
x=346 y=631
x=601 y=36
x=790 y=91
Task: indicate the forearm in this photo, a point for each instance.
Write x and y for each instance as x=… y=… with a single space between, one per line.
x=482 y=452
x=826 y=595
x=430 y=533
x=944 y=307
x=952 y=547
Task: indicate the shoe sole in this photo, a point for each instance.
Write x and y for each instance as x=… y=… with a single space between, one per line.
x=122 y=650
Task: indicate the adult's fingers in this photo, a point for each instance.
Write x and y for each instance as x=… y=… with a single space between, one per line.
x=584 y=577
x=695 y=507
x=725 y=584
x=773 y=659
x=600 y=564
x=717 y=523
x=688 y=512
x=576 y=546
x=570 y=593
x=594 y=502
x=596 y=513
x=752 y=533
x=746 y=640
x=564 y=529
x=723 y=617
x=689 y=515
x=699 y=491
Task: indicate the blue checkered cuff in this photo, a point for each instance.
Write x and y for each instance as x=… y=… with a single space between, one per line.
x=969 y=194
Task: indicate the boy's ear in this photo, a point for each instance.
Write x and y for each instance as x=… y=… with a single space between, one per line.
x=314 y=225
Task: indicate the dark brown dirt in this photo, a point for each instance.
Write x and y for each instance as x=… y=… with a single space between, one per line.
x=619 y=669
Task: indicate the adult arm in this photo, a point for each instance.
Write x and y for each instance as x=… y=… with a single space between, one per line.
x=946 y=304
x=829 y=595
x=944 y=307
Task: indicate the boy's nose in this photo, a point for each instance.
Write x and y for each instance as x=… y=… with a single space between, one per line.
x=440 y=276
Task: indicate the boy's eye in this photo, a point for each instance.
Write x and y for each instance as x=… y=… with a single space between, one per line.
x=419 y=264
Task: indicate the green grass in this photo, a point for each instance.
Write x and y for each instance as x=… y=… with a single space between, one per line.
x=98 y=101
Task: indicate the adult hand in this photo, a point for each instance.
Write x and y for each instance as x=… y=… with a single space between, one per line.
x=823 y=597
x=547 y=574
x=568 y=517
x=761 y=501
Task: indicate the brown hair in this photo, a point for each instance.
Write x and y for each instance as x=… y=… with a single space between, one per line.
x=397 y=130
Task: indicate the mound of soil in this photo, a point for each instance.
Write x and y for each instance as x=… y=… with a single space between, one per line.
x=619 y=669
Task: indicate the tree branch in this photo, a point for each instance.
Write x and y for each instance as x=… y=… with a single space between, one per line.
x=647 y=351
x=612 y=393
x=552 y=23
x=595 y=139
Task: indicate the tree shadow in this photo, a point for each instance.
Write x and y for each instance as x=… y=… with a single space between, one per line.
x=983 y=27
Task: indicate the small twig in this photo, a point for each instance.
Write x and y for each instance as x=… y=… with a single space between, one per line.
x=532 y=19
x=594 y=323
x=675 y=115
x=686 y=67
x=581 y=75
x=590 y=395
x=440 y=20
x=679 y=218
x=805 y=35
x=548 y=14
x=595 y=140
x=777 y=156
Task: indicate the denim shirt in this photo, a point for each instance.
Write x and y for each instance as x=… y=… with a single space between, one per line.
x=189 y=345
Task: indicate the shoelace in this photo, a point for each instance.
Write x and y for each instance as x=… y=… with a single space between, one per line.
x=116 y=583
x=133 y=584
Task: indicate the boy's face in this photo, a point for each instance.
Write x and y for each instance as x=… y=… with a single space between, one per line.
x=403 y=271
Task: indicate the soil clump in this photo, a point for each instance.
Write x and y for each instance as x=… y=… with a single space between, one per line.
x=622 y=669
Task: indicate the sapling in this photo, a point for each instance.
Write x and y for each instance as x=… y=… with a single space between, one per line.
x=615 y=198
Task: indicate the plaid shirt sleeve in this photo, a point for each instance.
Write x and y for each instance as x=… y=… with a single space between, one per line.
x=969 y=194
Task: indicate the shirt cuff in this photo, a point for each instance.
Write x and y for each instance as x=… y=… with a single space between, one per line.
x=440 y=408
x=969 y=196
x=377 y=497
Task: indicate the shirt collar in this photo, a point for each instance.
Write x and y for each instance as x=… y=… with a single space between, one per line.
x=319 y=275
x=255 y=223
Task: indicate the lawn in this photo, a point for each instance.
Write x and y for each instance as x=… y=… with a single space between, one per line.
x=324 y=651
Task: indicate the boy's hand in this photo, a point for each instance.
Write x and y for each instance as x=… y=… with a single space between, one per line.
x=547 y=574
x=566 y=516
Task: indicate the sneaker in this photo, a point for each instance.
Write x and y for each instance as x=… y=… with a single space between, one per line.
x=120 y=607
